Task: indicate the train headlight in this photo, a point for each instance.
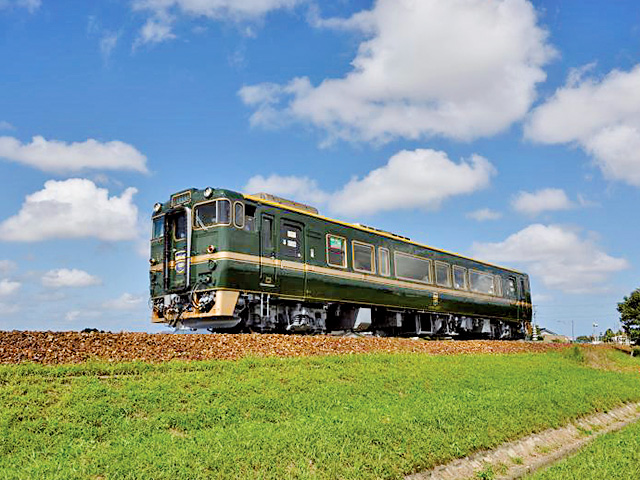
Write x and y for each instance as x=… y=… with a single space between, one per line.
x=157 y=207
x=208 y=192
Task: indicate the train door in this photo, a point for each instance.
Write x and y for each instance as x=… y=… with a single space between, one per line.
x=268 y=248
x=291 y=249
x=177 y=247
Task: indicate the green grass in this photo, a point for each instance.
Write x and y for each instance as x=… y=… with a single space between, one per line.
x=611 y=456
x=359 y=416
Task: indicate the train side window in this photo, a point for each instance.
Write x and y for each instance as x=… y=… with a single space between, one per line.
x=336 y=251
x=481 y=282
x=497 y=281
x=238 y=214
x=267 y=233
x=384 y=262
x=363 y=257
x=443 y=274
x=460 y=277
x=511 y=287
x=410 y=267
x=249 y=218
x=158 y=227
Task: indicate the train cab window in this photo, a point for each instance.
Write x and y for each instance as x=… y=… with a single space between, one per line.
x=511 y=287
x=363 y=257
x=443 y=274
x=384 y=262
x=249 y=218
x=497 y=281
x=208 y=214
x=410 y=267
x=336 y=251
x=238 y=214
x=158 y=227
x=481 y=282
x=180 y=227
x=460 y=278
x=291 y=241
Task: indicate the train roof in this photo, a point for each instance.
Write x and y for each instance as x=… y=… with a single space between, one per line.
x=312 y=212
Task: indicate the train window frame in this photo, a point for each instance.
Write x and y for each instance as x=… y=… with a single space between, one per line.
x=372 y=255
x=449 y=282
x=480 y=272
x=235 y=215
x=266 y=234
x=217 y=224
x=408 y=255
x=464 y=277
x=387 y=264
x=153 y=227
x=250 y=212
x=344 y=243
x=174 y=228
x=512 y=292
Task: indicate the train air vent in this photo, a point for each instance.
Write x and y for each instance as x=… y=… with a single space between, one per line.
x=284 y=202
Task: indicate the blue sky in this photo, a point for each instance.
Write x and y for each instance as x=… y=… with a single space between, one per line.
x=504 y=129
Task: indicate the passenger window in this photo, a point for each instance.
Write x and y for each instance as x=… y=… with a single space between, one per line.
x=383 y=262
x=443 y=274
x=249 y=218
x=410 y=267
x=336 y=251
x=511 y=287
x=291 y=241
x=460 y=278
x=238 y=214
x=158 y=227
x=363 y=260
x=481 y=282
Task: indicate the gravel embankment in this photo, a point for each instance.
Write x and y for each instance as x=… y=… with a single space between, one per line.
x=73 y=347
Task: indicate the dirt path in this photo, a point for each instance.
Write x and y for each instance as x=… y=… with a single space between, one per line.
x=515 y=459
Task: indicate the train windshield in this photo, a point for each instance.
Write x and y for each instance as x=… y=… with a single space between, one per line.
x=180 y=227
x=158 y=227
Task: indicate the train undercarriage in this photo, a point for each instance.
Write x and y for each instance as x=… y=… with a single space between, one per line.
x=265 y=313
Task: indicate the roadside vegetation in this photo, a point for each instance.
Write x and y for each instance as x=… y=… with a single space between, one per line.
x=350 y=416
x=612 y=456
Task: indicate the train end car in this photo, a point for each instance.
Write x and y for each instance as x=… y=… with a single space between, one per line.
x=224 y=261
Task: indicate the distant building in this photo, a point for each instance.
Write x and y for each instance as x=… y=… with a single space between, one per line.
x=621 y=339
x=551 y=337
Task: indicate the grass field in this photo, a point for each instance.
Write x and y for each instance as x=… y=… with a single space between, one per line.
x=355 y=416
x=612 y=456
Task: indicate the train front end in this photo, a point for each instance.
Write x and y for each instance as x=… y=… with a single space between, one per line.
x=185 y=276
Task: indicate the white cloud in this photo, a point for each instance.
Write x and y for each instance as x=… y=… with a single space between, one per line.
x=8 y=287
x=56 y=156
x=547 y=199
x=602 y=116
x=164 y=13
x=108 y=43
x=7 y=309
x=484 y=214
x=126 y=301
x=7 y=266
x=73 y=315
x=459 y=68
x=73 y=208
x=557 y=256
x=4 y=125
x=73 y=278
x=420 y=178
x=30 y=5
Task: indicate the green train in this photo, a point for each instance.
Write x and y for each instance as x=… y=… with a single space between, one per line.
x=224 y=261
